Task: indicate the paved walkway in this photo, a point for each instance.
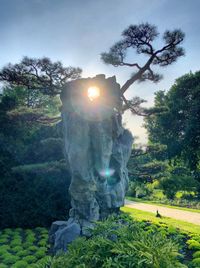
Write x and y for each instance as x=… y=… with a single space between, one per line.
x=192 y=217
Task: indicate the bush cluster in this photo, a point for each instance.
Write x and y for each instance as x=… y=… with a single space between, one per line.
x=34 y=195
x=28 y=253
x=121 y=242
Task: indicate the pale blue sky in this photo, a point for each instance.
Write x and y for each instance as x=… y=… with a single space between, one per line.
x=77 y=31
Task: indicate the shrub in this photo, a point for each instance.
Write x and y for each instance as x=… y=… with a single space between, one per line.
x=22 y=253
x=3 y=265
x=16 y=242
x=29 y=232
x=5 y=236
x=42 y=243
x=114 y=244
x=20 y=264
x=27 y=244
x=170 y=187
x=45 y=262
x=45 y=236
x=40 y=253
x=196 y=237
x=41 y=230
x=30 y=259
x=38 y=201
x=4 y=247
x=196 y=262
x=193 y=244
x=179 y=179
x=42 y=248
x=8 y=231
x=3 y=240
x=19 y=230
x=16 y=236
x=10 y=259
x=17 y=249
x=30 y=238
x=196 y=254
x=139 y=189
x=32 y=248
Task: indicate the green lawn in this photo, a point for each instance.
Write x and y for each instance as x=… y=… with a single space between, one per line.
x=162 y=205
x=148 y=216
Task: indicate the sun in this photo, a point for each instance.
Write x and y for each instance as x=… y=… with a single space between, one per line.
x=93 y=93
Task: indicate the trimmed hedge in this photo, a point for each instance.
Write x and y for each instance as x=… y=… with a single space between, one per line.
x=34 y=195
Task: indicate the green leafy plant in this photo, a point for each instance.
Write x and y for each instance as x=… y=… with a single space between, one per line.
x=32 y=248
x=3 y=265
x=121 y=243
x=9 y=259
x=22 y=253
x=196 y=262
x=40 y=253
x=20 y=264
x=17 y=249
x=30 y=259
x=196 y=254
x=193 y=244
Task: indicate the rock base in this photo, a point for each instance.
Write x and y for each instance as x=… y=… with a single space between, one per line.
x=62 y=233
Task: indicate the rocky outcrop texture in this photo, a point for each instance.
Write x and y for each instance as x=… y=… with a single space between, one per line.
x=97 y=149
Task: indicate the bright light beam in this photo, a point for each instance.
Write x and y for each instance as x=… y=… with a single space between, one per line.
x=93 y=93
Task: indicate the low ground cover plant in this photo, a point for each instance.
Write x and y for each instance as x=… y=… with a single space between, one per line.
x=23 y=248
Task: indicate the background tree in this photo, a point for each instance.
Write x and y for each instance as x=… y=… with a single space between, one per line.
x=179 y=127
x=151 y=171
x=39 y=75
x=179 y=178
x=31 y=147
x=146 y=165
x=34 y=178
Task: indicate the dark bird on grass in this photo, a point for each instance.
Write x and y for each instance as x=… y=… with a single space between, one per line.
x=158 y=214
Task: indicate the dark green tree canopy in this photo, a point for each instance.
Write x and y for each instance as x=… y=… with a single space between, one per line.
x=179 y=126
x=34 y=83
x=147 y=164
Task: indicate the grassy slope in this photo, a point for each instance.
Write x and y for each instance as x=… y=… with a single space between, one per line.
x=162 y=205
x=148 y=216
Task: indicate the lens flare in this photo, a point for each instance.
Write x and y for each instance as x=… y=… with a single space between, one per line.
x=93 y=93
x=107 y=172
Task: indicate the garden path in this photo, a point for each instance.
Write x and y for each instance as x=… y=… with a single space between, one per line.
x=192 y=217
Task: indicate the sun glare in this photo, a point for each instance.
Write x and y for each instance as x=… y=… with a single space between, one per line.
x=93 y=93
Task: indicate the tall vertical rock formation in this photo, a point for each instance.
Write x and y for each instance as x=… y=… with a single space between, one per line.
x=97 y=149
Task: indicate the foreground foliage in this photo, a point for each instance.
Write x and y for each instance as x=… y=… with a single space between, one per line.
x=121 y=242
x=23 y=248
x=117 y=242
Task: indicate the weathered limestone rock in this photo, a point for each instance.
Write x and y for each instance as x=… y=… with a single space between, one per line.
x=66 y=235
x=97 y=149
x=56 y=225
